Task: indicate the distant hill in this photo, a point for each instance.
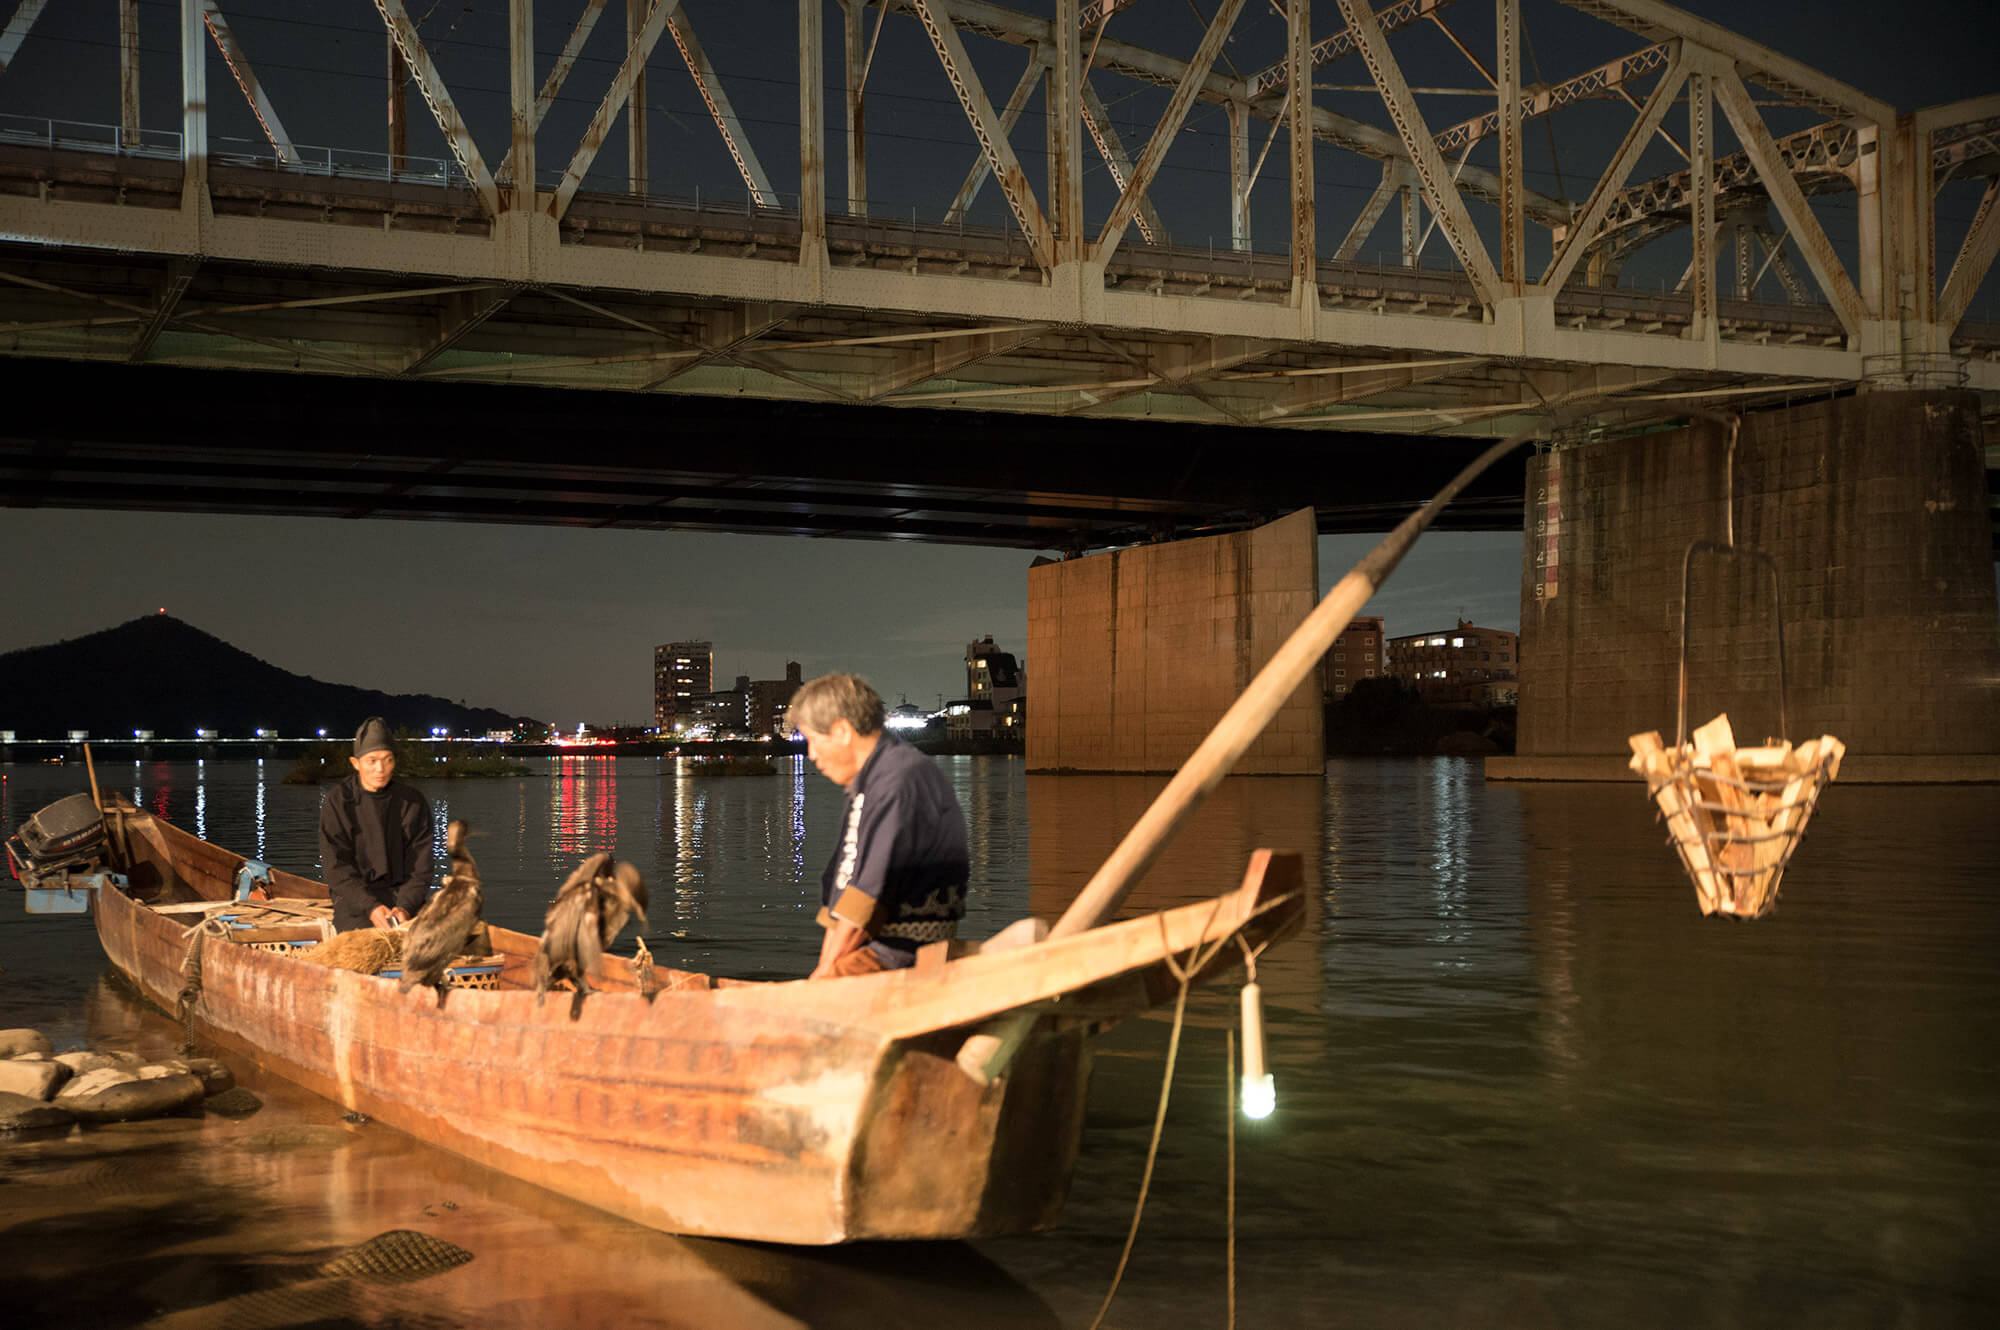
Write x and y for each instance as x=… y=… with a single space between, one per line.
x=163 y=675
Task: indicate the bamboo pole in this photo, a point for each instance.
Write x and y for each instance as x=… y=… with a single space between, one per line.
x=115 y=820
x=90 y=769
x=987 y=1053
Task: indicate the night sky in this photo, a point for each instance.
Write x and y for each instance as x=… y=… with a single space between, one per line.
x=560 y=623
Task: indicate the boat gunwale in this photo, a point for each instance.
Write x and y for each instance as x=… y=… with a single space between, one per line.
x=902 y=1004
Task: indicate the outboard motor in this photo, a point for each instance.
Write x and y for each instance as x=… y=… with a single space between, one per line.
x=58 y=856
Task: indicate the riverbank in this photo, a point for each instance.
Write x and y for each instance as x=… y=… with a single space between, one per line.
x=330 y=761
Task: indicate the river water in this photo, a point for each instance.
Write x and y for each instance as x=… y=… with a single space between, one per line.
x=1521 y=1080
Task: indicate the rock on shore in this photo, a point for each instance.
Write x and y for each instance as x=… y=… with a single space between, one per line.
x=125 y=1097
x=19 y=1112
x=35 y=1076
x=13 y=1043
x=42 y=1088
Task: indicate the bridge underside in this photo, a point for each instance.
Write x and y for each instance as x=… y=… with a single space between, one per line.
x=229 y=441
x=1103 y=382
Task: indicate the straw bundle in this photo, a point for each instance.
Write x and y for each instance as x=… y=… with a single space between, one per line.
x=363 y=950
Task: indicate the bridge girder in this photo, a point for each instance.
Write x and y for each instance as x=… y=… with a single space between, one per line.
x=322 y=447
x=486 y=277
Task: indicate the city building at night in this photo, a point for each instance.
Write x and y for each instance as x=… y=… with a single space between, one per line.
x=751 y=709
x=992 y=675
x=769 y=699
x=1355 y=655
x=1456 y=668
x=682 y=671
x=995 y=700
x=723 y=714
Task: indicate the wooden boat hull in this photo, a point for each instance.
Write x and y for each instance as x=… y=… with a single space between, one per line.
x=797 y=1112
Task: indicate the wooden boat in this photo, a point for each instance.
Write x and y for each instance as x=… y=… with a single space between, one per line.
x=801 y=1112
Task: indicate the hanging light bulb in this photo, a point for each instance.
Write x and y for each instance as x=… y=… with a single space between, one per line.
x=1259 y=1093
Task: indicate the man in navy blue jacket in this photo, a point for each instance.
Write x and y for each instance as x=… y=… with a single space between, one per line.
x=897 y=878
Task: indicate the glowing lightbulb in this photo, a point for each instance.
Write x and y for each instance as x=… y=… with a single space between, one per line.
x=1259 y=1094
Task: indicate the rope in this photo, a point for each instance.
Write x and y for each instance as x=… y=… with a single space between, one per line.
x=1250 y=956
x=1197 y=959
x=1229 y=1121
x=191 y=977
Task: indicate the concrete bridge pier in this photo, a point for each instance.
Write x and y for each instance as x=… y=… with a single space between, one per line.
x=1136 y=653
x=1874 y=508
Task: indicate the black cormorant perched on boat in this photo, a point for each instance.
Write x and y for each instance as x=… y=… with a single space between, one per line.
x=443 y=928
x=586 y=915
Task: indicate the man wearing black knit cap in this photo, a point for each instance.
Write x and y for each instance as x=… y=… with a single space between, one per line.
x=375 y=838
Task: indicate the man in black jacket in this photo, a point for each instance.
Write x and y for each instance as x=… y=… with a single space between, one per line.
x=375 y=838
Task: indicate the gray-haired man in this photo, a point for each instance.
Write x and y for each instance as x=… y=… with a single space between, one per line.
x=897 y=878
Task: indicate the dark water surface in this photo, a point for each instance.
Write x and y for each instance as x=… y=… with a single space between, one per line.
x=1521 y=1081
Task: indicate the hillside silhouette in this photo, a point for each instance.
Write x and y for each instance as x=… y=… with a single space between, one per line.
x=160 y=674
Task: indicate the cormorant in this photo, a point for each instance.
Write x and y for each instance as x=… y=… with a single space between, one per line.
x=444 y=927
x=585 y=917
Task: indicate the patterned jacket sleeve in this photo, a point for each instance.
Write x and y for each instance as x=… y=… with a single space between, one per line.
x=876 y=830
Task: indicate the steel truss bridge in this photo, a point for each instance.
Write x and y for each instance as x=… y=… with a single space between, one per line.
x=521 y=259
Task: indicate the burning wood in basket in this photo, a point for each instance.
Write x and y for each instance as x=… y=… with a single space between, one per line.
x=1735 y=814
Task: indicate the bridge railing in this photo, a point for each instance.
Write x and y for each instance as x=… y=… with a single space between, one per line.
x=165 y=145
x=896 y=224
x=350 y=163
x=727 y=201
x=86 y=136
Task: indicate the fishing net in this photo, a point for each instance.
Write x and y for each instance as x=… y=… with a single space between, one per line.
x=397 y=1256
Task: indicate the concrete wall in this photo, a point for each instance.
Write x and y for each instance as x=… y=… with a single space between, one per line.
x=1136 y=654
x=1875 y=509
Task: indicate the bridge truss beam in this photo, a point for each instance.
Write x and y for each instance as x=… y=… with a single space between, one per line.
x=267 y=265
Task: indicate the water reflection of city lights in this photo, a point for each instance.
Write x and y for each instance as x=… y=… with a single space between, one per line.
x=690 y=839
x=162 y=790
x=798 y=817
x=583 y=808
x=1450 y=820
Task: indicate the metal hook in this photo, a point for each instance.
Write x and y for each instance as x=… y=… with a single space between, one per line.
x=1729 y=483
